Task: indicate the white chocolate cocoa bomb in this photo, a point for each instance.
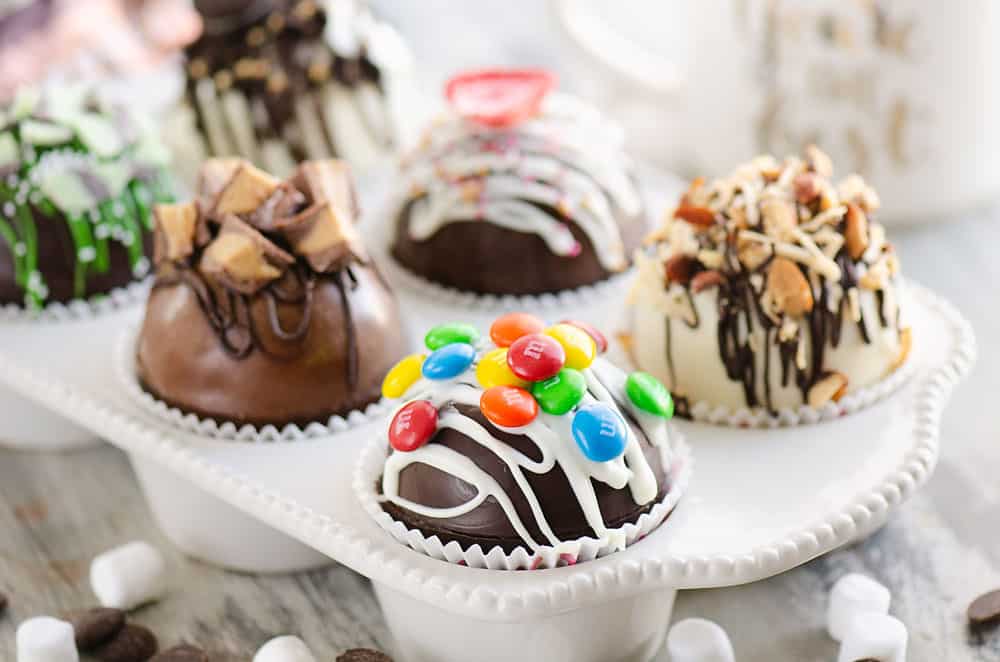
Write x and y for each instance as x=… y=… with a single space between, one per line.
x=803 y=254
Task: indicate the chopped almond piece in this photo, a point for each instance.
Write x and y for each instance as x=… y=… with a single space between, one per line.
x=700 y=217
x=788 y=289
x=856 y=231
x=831 y=387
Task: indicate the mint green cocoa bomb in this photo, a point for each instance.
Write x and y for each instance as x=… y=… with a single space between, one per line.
x=78 y=178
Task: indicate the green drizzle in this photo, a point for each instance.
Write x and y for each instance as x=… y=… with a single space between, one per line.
x=56 y=166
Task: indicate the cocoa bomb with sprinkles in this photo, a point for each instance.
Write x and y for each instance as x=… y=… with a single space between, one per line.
x=266 y=308
x=518 y=190
x=527 y=440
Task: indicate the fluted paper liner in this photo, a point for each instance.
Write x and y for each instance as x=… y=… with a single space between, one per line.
x=80 y=309
x=677 y=456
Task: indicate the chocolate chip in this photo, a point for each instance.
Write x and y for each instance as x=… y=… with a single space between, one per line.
x=985 y=610
x=182 y=653
x=363 y=655
x=95 y=626
x=133 y=643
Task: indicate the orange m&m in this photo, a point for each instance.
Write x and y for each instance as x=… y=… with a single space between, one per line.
x=508 y=328
x=508 y=406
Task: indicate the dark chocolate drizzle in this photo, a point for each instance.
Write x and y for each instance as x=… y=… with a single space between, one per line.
x=230 y=316
x=739 y=308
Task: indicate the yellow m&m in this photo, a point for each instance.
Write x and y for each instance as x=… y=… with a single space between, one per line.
x=580 y=347
x=494 y=371
x=402 y=376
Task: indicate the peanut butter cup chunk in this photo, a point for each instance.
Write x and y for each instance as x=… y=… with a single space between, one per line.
x=266 y=308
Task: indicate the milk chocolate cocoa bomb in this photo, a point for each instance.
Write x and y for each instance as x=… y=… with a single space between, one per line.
x=266 y=308
x=517 y=190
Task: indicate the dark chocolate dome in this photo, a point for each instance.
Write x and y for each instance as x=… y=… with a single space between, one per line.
x=488 y=525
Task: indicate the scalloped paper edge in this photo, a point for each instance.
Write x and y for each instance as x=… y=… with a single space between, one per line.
x=80 y=309
x=371 y=462
x=124 y=371
x=593 y=582
x=758 y=417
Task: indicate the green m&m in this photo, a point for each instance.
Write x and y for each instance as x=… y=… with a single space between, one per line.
x=448 y=334
x=561 y=392
x=648 y=394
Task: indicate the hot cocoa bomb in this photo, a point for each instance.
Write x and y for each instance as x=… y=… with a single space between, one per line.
x=266 y=308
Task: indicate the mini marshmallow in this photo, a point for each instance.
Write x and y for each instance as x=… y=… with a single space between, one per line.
x=128 y=576
x=874 y=637
x=699 y=640
x=45 y=639
x=284 y=649
x=852 y=595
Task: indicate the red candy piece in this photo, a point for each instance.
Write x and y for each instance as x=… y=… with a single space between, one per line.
x=499 y=97
x=413 y=426
x=535 y=357
x=508 y=328
x=599 y=339
x=508 y=406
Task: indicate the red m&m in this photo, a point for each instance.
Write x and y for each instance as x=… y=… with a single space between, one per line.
x=508 y=406
x=413 y=426
x=508 y=328
x=535 y=357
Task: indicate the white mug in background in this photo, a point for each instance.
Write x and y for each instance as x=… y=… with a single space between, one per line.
x=906 y=92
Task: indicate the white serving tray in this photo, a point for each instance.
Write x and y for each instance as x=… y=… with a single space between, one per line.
x=761 y=501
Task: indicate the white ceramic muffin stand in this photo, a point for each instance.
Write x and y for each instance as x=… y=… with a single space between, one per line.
x=761 y=502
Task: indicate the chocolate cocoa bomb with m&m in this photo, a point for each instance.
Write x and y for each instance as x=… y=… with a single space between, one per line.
x=78 y=177
x=266 y=308
x=529 y=441
x=517 y=190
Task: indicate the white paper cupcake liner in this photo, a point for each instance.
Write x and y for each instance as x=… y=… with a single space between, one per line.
x=759 y=417
x=80 y=309
x=125 y=374
x=372 y=461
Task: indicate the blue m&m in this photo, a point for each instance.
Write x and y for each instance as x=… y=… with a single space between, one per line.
x=600 y=432
x=449 y=361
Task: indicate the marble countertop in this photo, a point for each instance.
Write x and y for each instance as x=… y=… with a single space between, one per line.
x=940 y=551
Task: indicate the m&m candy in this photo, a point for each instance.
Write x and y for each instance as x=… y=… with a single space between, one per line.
x=580 y=348
x=649 y=394
x=560 y=393
x=599 y=339
x=508 y=406
x=413 y=426
x=508 y=328
x=492 y=370
x=535 y=357
x=449 y=361
x=447 y=334
x=402 y=376
x=600 y=432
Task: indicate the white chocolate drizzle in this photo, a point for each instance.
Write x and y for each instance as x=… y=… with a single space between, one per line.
x=553 y=437
x=567 y=158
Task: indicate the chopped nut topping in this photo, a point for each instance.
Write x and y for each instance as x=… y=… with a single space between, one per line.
x=856 y=231
x=679 y=269
x=787 y=288
x=780 y=219
x=700 y=217
x=704 y=280
x=831 y=387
